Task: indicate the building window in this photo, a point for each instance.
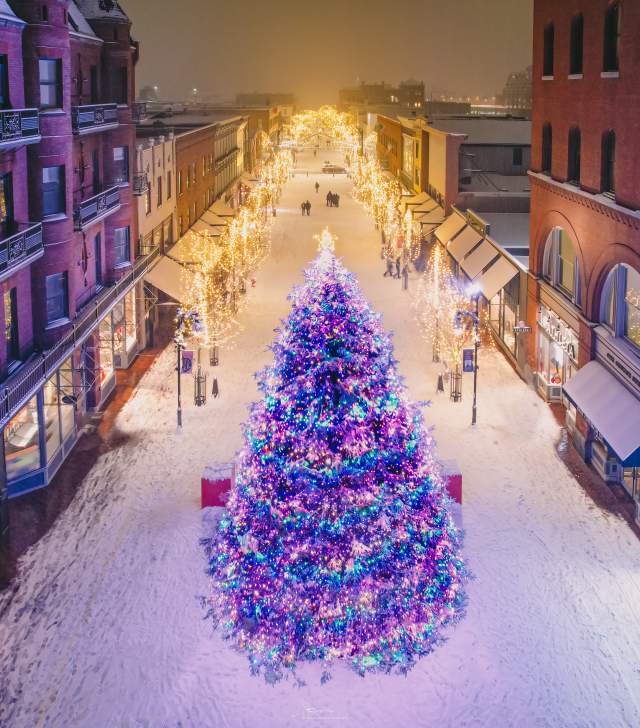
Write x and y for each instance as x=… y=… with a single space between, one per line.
x=11 y=337
x=45 y=14
x=53 y=191
x=22 y=442
x=57 y=297
x=169 y=181
x=193 y=172
x=4 y=83
x=188 y=178
x=204 y=166
x=50 y=70
x=621 y=303
x=122 y=96
x=561 y=267
x=7 y=223
x=121 y=245
x=517 y=156
x=549 y=39
x=179 y=182
x=611 y=61
x=120 y=165
x=573 y=171
x=608 y=162
x=147 y=201
x=159 y=199
x=577 y=44
x=547 y=148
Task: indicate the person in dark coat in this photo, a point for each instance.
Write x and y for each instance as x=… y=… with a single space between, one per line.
x=308 y=206
x=397 y=275
x=317 y=187
x=389 y=271
x=337 y=198
x=329 y=196
x=215 y=391
x=405 y=277
x=303 y=207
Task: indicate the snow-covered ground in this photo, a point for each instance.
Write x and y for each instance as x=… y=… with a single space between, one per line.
x=106 y=628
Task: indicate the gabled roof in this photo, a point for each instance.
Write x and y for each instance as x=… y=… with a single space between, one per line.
x=102 y=10
x=7 y=14
x=77 y=22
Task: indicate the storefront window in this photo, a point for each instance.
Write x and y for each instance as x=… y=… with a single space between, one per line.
x=124 y=324
x=621 y=303
x=22 y=442
x=67 y=398
x=105 y=333
x=632 y=301
x=52 y=417
x=557 y=349
x=567 y=262
x=503 y=311
x=561 y=264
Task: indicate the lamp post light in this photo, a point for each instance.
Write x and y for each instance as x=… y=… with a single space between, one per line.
x=476 y=333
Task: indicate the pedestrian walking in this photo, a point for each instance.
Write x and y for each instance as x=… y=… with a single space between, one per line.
x=303 y=207
x=317 y=187
x=329 y=196
x=397 y=275
x=405 y=277
x=389 y=271
x=337 y=198
x=215 y=390
x=308 y=206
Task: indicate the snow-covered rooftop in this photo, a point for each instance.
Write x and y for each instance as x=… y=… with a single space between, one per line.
x=6 y=13
x=77 y=22
x=101 y=9
x=487 y=131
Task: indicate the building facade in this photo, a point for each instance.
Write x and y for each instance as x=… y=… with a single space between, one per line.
x=69 y=224
x=407 y=94
x=584 y=289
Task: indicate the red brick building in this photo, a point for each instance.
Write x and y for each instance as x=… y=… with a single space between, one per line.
x=584 y=292
x=68 y=227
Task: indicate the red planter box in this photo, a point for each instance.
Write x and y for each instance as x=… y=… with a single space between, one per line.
x=216 y=484
x=453 y=479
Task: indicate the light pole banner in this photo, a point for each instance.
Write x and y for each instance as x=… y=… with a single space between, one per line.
x=467 y=360
x=187 y=362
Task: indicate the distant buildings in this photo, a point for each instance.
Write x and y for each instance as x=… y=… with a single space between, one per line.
x=516 y=97
x=585 y=228
x=407 y=94
x=266 y=99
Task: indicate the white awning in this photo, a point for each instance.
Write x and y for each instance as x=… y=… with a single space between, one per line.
x=497 y=277
x=213 y=220
x=221 y=209
x=419 y=199
x=479 y=259
x=435 y=217
x=451 y=227
x=172 y=278
x=609 y=406
x=425 y=207
x=463 y=243
x=190 y=247
x=204 y=228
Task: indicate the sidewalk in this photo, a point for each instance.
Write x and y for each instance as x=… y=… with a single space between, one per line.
x=32 y=515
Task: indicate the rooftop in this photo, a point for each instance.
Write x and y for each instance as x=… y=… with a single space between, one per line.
x=510 y=230
x=494 y=182
x=102 y=10
x=77 y=21
x=486 y=130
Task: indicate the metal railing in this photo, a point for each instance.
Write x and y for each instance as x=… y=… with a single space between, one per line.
x=20 y=387
x=140 y=184
x=16 y=248
x=96 y=207
x=19 y=126
x=93 y=117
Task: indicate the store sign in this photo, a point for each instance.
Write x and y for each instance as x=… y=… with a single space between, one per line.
x=187 y=362
x=557 y=330
x=468 y=361
x=522 y=328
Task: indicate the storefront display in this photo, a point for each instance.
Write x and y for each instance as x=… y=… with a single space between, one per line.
x=22 y=442
x=59 y=409
x=125 y=331
x=557 y=353
x=105 y=363
x=504 y=313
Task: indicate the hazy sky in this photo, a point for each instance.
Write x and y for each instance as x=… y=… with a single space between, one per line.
x=466 y=47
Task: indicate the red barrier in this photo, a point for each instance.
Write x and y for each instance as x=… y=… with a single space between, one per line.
x=216 y=484
x=453 y=479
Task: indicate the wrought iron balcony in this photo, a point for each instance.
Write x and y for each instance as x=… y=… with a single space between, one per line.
x=19 y=127
x=19 y=248
x=139 y=111
x=93 y=118
x=140 y=184
x=96 y=208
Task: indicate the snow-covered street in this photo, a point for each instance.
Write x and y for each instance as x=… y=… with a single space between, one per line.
x=106 y=629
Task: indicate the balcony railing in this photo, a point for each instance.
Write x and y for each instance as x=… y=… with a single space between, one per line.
x=21 y=386
x=138 y=111
x=18 y=127
x=94 y=117
x=19 y=247
x=96 y=208
x=140 y=184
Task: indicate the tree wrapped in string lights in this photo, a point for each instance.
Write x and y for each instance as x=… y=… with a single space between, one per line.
x=337 y=543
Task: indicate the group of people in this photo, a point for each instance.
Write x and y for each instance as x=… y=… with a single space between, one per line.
x=400 y=270
x=333 y=200
x=306 y=208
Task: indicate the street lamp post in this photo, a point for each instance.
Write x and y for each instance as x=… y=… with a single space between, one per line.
x=179 y=350
x=474 y=415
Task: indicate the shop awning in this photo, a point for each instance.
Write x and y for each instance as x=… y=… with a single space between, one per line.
x=435 y=217
x=463 y=243
x=190 y=249
x=172 y=278
x=427 y=206
x=213 y=220
x=609 y=406
x=451 y=226
x=204 y=228
x=497 y=277
x=221 y=209
x=479 y=259
x=419 y=199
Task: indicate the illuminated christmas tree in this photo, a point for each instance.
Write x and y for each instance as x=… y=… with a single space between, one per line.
x=337 y=543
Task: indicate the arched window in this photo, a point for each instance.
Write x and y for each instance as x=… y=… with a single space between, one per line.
x=620 y=303
x=573 y=170
x=547 y=61
x=609 y=162
x=547 y=148
x=577 y=44
x=611 y=61
x=561 y=264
